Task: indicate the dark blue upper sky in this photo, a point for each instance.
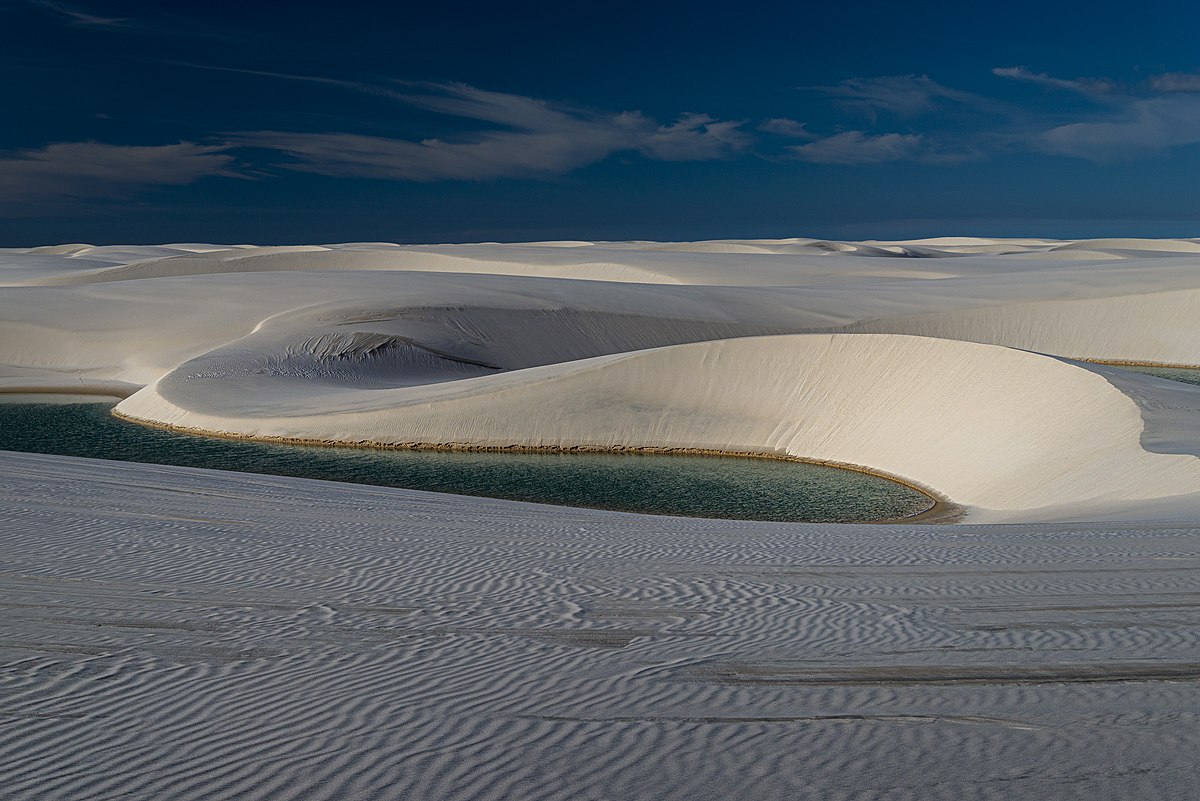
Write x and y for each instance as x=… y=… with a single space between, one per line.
x=422 y=122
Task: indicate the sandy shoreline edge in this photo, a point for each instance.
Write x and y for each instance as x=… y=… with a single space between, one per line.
x=941 y=509
x=1133 y=363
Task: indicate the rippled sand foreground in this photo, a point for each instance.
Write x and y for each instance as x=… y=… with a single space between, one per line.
x=189 y=634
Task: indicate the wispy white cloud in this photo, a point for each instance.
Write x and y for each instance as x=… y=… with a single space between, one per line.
x=1145 y=127
x=695 y=137
x=501 y=108
x=287 y=76
x=534 y=139
x=1086 y=86
x=858 y=147
x=478 y=158
x=96 y=170
x=785 y=126
x=78 y=16
x=1176 y=82
x=1133 y=121
x=156 y=20
x=501 y=135
x=902 y=95
x=1124 y=122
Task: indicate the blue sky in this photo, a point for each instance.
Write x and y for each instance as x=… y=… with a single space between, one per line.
x=321 y=122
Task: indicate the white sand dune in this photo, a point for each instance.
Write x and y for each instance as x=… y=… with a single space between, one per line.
x=190 y=634
x=728 y=263
x=1042 y=433
x=453 y=343
x=1163 y=246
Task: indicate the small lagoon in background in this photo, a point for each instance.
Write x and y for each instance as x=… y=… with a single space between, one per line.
x=692 y=486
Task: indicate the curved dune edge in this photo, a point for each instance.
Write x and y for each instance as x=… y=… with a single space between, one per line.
x=941 y=509
x=1044 y=434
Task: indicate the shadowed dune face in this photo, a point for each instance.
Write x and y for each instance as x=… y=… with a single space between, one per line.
x=349 y=348
x=722 y=346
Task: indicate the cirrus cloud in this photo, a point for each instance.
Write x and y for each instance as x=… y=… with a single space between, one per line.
x=1086 y=86
x=1176 y=82
x=97 y=170
x=1144 y=127
x=857 y=147
x=901 y=95
x=1124 y=121
x=536 y=139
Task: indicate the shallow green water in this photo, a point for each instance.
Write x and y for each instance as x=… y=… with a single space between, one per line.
x=694 y=486
x=1185 y=374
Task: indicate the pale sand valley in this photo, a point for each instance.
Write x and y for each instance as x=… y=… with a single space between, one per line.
x=181 y=633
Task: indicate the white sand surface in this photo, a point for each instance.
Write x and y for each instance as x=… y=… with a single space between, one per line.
x=721 y=345
x=171 y=633
x=188 y=634
x=1043 y=433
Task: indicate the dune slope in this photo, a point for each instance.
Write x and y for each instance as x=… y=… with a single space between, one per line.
x=839 y=351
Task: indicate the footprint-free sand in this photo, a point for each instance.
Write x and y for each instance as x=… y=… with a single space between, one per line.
x=177 y=633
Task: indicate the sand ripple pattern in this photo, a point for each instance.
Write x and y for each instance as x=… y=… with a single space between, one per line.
x=186 y=634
